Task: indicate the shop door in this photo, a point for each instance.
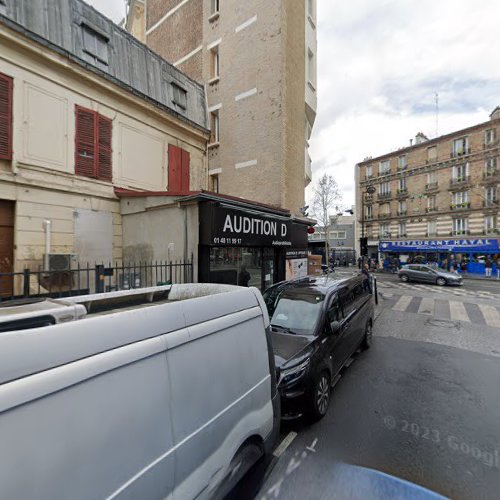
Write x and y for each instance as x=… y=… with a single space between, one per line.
x=269 y=268
x=6 y=247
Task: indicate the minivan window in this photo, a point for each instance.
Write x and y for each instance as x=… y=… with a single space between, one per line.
x=297 y=311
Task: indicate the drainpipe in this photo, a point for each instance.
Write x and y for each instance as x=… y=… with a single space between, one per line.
x=47 y=225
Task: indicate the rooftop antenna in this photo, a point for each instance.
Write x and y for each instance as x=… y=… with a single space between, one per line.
x=436 y=96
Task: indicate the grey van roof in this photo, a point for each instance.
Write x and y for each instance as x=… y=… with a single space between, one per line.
x=60 y=25
x=322 y=284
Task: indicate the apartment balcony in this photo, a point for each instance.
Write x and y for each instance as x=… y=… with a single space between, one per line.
x=463 y=232
x=460 y=182
x=460 y=206
x=490 y=203
x=402 y=213
x=462 y=152
x=491 y=144
x=433 y=186
x=384 y=196
x=386 y=215
x=491 y=232
x=385 y=172
x=430 y=210
x=403 y=235
x=368 y=218
x=491 y=176
x=402 y=167
x=402 y=193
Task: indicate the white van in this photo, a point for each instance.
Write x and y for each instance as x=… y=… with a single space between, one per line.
x=167 y=392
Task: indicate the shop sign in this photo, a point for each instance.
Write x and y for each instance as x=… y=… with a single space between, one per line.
x=451 y=245
x=224 y=226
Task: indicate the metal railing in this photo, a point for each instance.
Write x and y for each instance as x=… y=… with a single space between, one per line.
x=95 y=278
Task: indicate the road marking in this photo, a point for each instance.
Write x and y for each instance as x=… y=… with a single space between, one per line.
x=402 y=303
x=287 y=441
x=426 y=306
x=490 y=314
x=458 y=312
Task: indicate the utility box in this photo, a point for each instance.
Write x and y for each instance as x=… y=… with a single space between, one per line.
x=314 y=265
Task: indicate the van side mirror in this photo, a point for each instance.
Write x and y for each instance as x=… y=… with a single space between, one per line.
x=334 y=327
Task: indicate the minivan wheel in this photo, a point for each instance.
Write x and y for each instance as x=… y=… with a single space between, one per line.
x=320 y=396
x=367 y=339
x=404 y=277
x=441 y=282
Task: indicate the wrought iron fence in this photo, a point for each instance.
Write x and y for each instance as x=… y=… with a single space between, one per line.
x=93 y=278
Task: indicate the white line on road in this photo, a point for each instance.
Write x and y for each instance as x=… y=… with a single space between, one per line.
x=426 y=306
x=490 y=314
x=287 y=441
x=402 y=303
x=458 y=312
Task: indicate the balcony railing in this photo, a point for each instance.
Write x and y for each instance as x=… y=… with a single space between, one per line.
x=460 y=232
x=402 y=213
x=385 y=215
x=402 y=167
x=490 y=174
x=490 y=203
x=491 y=231
x=402 y=235
x=385 y=172
x=431 y=186
x=384 y=196
x=402 y=192
x=461 y=152
x=431 y=209
x=460 y=206
x=460 y=181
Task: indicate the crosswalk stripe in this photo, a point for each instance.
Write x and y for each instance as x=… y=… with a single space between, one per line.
x=491 y=315
x=458 y=312
x=402 y=303
x=426 y=306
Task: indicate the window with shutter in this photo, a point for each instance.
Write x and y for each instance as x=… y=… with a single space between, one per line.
x=6 y=86
x=93 y=151
x=178 y=169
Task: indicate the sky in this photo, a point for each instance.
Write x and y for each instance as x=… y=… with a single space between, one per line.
x=380 y=65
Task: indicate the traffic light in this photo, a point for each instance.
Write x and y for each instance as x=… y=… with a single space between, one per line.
x=363 y=244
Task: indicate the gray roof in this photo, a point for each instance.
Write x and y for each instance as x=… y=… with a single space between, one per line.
x=71 y=27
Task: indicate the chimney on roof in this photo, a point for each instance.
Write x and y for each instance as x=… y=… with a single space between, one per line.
x=495 y=113
x=421 y=138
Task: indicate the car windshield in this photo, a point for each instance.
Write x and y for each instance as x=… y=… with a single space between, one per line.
x=296 y=311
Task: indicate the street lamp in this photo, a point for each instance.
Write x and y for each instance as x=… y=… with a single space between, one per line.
x=363 y=241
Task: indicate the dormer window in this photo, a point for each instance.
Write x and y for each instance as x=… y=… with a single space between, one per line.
x=95 y=47
x=179 y=96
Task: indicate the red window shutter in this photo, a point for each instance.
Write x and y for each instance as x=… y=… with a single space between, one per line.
x=174 y=168
x=185 y=171
x=85 y=142
x=104 y=171
x=6 y=87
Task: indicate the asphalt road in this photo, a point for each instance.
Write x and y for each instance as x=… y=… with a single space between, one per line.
x=422 y=405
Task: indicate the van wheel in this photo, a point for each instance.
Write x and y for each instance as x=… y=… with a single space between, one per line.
x=405 y=278
x=320 y=397
x=367 y=339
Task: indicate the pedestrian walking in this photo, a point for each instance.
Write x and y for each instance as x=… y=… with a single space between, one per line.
x=488 y=265
x=368 y=281
x=498 y=268
x=463 y=267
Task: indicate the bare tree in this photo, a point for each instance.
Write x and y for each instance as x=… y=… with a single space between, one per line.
x=326 y=205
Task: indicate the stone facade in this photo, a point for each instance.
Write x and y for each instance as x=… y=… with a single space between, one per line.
x=438 y=182
x=259 y=93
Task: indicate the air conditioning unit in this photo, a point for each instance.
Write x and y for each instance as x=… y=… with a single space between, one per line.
x=62 y=261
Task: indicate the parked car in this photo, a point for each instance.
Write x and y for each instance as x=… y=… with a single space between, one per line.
x=165 y=392
x=317 y=325
x=426 y=274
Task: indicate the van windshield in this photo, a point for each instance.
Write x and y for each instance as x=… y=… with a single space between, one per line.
x=296 y=311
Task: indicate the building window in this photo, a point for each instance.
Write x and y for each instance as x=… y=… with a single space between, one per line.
x=489 y=136
x=402 y=185
x=6 y=87
x=3 y=7
x=214 y=63
x=460 y=146
x=214 y=127
x=214 y=7
x=179 y=96
x=460 y=226
x=431 y=203
x=95 y=47
x=214 y=183
x=490 y=167
x=402 y=208
x=490 y=224
x=490 y=196
x=369 y=171
x=338 y=235
x=460 y=199
x=402 y=162
x=311 y=67
x=385 y=188
x=178 y=169
x=460 y=173
x=384 y=167
x=431 y=228
x=369 y=211
x=385 y=209
x=432 y=153
x=384 y=231
x=93 y=151
x=402 y=229
x=310 y=9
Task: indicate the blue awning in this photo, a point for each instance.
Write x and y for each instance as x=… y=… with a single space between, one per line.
x=486 y=245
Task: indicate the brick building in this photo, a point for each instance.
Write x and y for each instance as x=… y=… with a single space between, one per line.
x=436 y=199
x=258 y=61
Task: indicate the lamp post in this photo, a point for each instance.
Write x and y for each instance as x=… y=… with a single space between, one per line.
x=363 y=240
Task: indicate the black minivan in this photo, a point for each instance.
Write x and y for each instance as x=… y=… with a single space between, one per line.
x=317 y=324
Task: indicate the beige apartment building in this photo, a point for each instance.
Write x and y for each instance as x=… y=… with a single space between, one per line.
x=86 y=111
x=437 y=198
x=257 y=60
